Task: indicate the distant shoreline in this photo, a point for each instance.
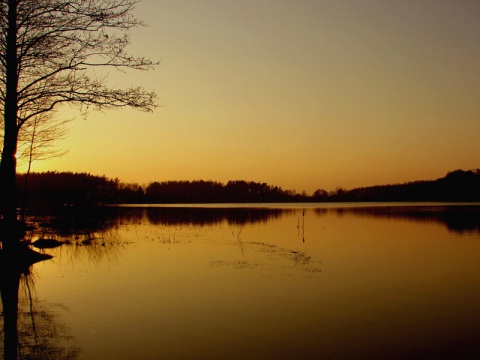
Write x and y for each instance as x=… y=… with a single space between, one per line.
x=81 y=190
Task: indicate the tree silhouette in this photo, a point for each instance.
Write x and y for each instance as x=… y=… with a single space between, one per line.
x=49 y=50
x=37 y=141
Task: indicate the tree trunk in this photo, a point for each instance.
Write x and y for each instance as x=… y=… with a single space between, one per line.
x=8 y=165
x=8 y=187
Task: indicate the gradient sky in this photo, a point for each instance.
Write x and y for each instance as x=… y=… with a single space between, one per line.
x=302 y=94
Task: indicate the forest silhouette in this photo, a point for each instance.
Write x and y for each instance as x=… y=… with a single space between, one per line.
x=80 y=190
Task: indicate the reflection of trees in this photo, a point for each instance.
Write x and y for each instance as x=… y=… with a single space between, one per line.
x=455 y=217
x=209 y=216
x=41 y=333
x=70 y=222
x=29 y=331
x=84 y=222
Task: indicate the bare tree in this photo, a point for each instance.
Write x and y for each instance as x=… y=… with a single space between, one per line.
x=37 y=141
x=49 y=51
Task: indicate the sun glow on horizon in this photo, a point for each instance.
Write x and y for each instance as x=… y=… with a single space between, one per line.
x=302 y=95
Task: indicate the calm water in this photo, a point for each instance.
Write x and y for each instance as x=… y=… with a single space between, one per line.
x=284 y=282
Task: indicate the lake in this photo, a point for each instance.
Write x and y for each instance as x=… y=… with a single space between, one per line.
x=263 y=281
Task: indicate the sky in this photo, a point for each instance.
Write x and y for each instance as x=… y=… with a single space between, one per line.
x=301 y=94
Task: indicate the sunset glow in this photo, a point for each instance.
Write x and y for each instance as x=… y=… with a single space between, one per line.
x=299 y=94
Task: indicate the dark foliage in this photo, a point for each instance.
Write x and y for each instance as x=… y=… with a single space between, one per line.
x=214 y=192
x=457 y=185
x=68 y=189
x=80 y=190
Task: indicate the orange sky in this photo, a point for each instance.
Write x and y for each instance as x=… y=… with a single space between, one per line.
x=301 y=94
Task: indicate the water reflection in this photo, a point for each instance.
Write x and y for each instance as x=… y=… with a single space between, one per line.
x=211 y=216
x=240 y=283
x=34 y=329
x=42 y=333
x=30 y=330
x=457 y=218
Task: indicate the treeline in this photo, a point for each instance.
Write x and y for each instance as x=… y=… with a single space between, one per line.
x=214 y=192
x=82 y=189
x=67 y=188
x=458 y=185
